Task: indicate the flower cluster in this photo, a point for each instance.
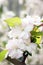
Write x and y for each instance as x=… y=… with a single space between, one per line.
x=19 y=36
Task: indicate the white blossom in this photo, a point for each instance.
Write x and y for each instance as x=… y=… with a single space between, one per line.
x=15 y=53
x=24 y=35
x=37 y=20
x=12 y=44
x=29 y=28
x=14 y=33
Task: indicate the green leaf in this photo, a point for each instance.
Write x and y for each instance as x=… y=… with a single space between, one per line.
x=36 y=33
x=13 y=21
x=2 y=55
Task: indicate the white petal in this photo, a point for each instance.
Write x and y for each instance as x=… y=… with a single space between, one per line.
x=19 y=53
x=21 y=44
x=12 y=53
x=15 y=54
x=29 y=28
x=24 y=35
x=12 y=44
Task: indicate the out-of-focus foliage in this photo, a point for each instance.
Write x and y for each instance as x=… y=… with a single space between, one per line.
x=1 y=10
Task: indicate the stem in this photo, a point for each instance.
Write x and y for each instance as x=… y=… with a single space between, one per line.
x=40 y=25
x=15 y=61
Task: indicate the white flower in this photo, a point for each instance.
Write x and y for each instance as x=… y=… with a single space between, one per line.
x=24 y=35
x=21 y=44
x=15 y=53
x=34 y=20
x=24 y=22
x=29 y=28
x=12 y=44
x=15 y=43
x=30 y=19
x=37 y=20
x=14 y=33
x=28 y=23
